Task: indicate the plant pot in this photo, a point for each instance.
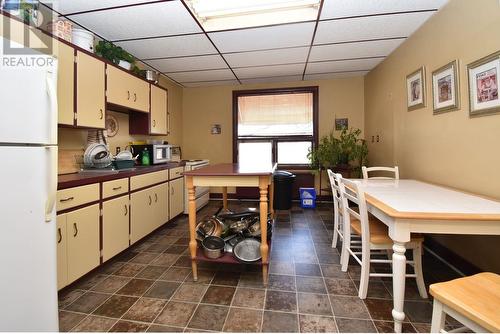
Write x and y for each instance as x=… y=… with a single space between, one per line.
x=344 y=159
x=125 y=64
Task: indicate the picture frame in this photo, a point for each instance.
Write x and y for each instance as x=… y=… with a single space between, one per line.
x=415 y=89
x=341 y=123
x=445 y=88
x=483 y=75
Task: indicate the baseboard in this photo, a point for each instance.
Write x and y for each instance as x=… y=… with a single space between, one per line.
x=450 y=258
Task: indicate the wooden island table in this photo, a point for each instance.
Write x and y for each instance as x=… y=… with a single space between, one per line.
x=231 y=175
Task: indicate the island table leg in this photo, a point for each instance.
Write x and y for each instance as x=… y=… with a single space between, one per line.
x=192 y=225
x=264 y=248
x=224 y=198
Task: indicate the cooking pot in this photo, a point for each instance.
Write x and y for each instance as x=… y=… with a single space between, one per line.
x=213 y=247
x=151 y=76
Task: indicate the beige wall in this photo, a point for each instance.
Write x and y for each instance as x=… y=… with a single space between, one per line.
x=450 y=149
x=77 y=138
x=205 y=106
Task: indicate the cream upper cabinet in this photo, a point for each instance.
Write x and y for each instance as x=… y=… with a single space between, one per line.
x=176 y=197
x=65 y=83
x=90 y=91
x=141 y=215
x=62 y=258
x=83 y=250
x=115 y=231
x=126 y=90
x=159 y=109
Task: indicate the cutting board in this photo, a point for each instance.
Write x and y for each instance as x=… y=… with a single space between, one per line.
x=67 y=163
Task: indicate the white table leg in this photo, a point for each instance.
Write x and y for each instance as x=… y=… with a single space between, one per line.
x=398 y=284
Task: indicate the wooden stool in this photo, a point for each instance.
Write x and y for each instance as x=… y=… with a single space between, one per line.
x=474 y=301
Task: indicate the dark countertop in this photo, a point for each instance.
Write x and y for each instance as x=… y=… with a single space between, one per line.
x=80 y=179
x=233 y=170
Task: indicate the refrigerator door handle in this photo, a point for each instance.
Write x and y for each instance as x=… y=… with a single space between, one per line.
x=52 y=93
x=52 y=182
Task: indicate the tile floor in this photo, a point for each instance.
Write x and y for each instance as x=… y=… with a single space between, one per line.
x=150 y=288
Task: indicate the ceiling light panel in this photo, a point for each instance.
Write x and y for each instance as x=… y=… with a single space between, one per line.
x=211 y=83
x=169 y=47
x=157 y=19
x=223 y=14
x=289 y=35
x=338 y=75
x=288 y=78
x=74 y=6
x=354 y=50
x=348 y=8
x=371 y=27
x=189 y=63
x=343 y=65
x=197 y=76
x=269 y=71
x=268 y=57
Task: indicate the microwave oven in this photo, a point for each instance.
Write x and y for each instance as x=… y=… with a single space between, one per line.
x=158 y=154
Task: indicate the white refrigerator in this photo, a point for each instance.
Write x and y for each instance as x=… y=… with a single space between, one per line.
x=28 y=155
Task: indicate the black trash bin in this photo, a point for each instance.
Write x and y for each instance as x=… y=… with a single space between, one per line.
x=283 y=182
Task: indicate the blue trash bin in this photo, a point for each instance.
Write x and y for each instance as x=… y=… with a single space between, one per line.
x=307 y=198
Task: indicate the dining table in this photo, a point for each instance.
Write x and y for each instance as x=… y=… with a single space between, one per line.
x=411 y=206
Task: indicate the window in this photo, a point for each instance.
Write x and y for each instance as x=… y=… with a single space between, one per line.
x=275 y=125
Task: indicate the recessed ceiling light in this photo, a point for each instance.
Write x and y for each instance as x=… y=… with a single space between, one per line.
x=224 y=14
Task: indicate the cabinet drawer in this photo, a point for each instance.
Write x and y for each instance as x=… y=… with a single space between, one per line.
x=71 y=197
x=115 y=187
x=145 y=180
x=176 y=172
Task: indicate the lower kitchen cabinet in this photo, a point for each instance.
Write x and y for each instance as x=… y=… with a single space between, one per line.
x=115 y=226
x=62 y=256
x=176 y=197
x=78 y=247
x=160 y=208
x=141 y=215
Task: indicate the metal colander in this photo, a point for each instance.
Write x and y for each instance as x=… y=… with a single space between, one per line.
x=247 y=250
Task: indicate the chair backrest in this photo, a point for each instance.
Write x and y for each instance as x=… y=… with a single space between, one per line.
x=335 y=186
x=352 y=191
x=394 y=170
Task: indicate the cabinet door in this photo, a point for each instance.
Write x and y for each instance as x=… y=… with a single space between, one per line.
x=90 y=91
x=65 y=83
x=62 y=260
x=83 y=241
x=158 y=111
x=160 y=212
x=141 y=207
x=176 y=197
x=126 y=90
x=115 y=231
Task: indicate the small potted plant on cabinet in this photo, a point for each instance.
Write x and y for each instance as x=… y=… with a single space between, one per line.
x=117 y=55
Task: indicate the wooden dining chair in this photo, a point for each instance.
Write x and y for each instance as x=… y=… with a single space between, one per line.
x=474 y=301
x=337 y=211
x=374 y=239
x=392 y=170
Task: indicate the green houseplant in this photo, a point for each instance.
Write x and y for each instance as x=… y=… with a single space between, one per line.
x=348 y=150
x=117 y=55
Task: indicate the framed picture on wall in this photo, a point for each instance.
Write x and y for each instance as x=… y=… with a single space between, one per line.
x=483 y=85
x=415 y=89
x=445 y=91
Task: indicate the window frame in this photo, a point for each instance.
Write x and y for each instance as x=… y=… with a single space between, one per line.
x=275 y=139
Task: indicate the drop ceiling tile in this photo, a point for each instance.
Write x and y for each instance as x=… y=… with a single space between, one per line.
x=337 y=75
x=211 y=83
x=254 y=39
x=269 y=71
x=342 y=65
x=189 y=63
x=354 y=50
x=169 y=46
x=347 y=8
x=286 y=78
x=157 y=19
x=372 y=27
x=73 y=6
x=196 y=76
x=268 y=57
